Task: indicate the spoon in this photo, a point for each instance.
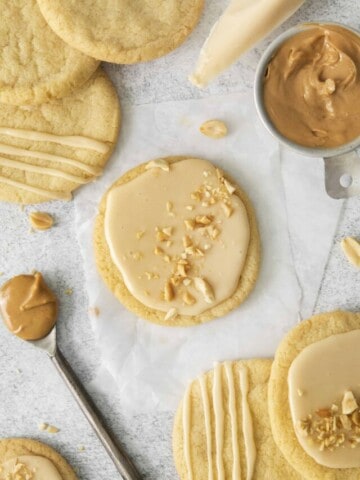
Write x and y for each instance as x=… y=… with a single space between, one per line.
x=122 y=462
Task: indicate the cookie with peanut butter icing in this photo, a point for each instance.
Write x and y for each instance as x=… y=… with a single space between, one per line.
x=27 y=459
x=35 y=64
x=48 y=151
x=122 y=31
x=222 y=430
x=314 y=397
x=177 y=242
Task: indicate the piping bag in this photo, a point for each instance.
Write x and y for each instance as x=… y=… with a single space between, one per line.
x=242 y=25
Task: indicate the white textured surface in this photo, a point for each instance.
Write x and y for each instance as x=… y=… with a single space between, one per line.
x=35 y=394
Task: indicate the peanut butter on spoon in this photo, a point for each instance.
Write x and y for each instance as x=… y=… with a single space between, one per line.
x=28 y=307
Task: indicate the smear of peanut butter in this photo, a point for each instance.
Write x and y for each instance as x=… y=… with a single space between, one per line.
x=312 y=87
x=28 y=307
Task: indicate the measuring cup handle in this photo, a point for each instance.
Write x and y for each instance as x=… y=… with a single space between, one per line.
x=120 y=459
x=342 y=175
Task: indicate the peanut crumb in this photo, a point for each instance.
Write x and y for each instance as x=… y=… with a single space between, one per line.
x=52 y=429
x=69 y=291
x=227 y=209
x=188 y=298
x=214 y=129
x=196 y=196
x=190 y=224
x=230 y=188
x=94 y=311
x=159 y=163
x=348 y=404
x=187 y=242
x=151 y=276
x=140 y=234
x=169 y=293
x=351 y=248
x=41 y=220
x=171 y=314
x=205 y=288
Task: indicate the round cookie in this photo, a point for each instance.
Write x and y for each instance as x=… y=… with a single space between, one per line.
x=269 y=462
x=35 y=64
x=122 y=31
x=48 y=151
x=318 y=327
x=114 y=280
x=16 y=447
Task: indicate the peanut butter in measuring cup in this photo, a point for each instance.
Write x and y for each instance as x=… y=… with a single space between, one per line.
x=307 y=93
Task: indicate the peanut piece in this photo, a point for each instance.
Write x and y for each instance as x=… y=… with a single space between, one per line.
x=159 y=163
x=205 y=288
x=41 y=220
x=351 y=248
x=214 y=129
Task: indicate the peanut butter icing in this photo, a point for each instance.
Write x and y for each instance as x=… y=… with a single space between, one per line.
x=312 y=87
x=240 y=27
x=324 y=396
x=29 y=467
x=178 y=235
x=28 y=307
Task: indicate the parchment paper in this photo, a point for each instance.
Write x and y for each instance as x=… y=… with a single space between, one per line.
x=150 y=365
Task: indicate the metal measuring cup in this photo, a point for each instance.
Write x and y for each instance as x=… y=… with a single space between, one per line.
x=342 y=164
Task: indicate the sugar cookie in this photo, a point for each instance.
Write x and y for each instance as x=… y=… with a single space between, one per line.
x=122 y=31
x=177 y=242
x=35 y=64
x=314 y=368
x=26 y=454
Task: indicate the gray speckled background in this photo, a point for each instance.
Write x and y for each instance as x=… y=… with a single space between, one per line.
x=31 y=392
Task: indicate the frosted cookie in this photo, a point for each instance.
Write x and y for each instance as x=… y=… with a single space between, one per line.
x=26 y=459
x=122 y=31
x=48 y=151
x=314 y=397
x=222 y=429
x=35 y=64
x=177 y=242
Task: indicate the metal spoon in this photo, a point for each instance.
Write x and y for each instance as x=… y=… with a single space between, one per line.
x=122 y=463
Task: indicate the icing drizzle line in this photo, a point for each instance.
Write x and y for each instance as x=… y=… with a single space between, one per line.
x=250 y=448
x=217 y=400
x=207 y=418
x=71 y=140
x=45 y=193
x=219 y=420
x=186 y=432
x=11 y=150
x=236 y=471
x=5 y=162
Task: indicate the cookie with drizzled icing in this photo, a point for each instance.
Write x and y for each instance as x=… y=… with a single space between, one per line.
x=222 y=428
x=48 y=151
